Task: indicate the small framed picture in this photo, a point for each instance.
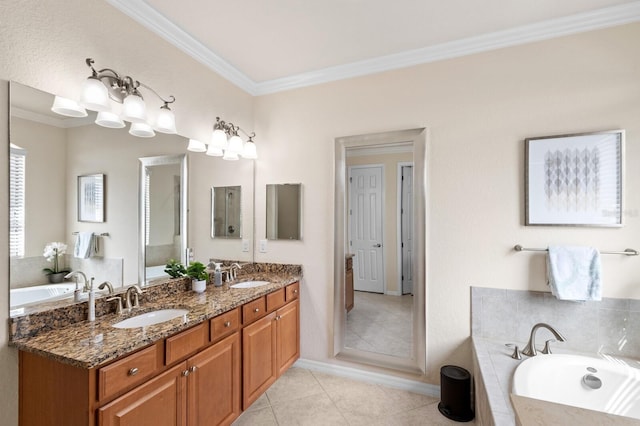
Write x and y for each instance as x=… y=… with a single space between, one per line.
x=575 y=180
x=91 y=198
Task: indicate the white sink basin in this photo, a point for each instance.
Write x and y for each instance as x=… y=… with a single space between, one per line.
x=250 y=284
x=151 y=318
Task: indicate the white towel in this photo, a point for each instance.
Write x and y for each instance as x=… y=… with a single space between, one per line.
x=85 y=245
x=574 y=273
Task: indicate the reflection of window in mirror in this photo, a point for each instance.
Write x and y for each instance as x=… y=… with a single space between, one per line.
x=17 y=168
x=226 y=212
x=284 y=203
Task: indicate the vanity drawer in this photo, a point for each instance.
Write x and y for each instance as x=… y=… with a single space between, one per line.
x=225 y=324
x=185 y=343
x=293 y=291
x=275 y=300
x=129 y=371
x=253 y=310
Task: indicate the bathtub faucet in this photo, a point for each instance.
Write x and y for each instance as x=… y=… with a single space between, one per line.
x=74 y=275
x=530 y=349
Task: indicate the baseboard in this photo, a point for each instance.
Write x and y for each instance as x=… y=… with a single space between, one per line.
x=393 y=293
x=370 y=377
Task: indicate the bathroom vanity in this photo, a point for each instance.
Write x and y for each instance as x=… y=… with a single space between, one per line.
x=203 y=368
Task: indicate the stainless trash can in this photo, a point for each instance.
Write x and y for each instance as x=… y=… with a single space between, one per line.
x=455 y=393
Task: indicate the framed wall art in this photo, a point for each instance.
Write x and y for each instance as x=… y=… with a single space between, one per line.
x=91 y=198
x=575 y=180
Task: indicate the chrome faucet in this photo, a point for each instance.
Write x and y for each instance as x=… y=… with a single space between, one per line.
x=128 y=304
x=530 y=349
x=108 y=285
x=233 y=271
x=74 y=275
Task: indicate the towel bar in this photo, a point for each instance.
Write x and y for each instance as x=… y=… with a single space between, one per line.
x=626 y=252
x=104 y=234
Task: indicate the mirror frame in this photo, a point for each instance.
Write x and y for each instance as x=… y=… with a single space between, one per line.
x=417 y=363
x=161 y=160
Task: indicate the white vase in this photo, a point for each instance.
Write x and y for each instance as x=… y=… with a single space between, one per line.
x=199 y=286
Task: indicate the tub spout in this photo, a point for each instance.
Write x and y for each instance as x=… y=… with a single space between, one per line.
x=530 y=349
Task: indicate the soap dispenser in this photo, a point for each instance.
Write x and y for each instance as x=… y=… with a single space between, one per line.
x=217 y=275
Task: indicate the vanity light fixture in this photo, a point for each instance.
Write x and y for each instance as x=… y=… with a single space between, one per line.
x=67 y=107
x=105 y=90
x=226 y=143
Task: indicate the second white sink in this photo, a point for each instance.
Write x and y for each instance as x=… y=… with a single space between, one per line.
x=151 y=318
x=250 y=284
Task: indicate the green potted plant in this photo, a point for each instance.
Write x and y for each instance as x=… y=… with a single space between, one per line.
x=175 y=269
x=53 y=251
x=199 y=275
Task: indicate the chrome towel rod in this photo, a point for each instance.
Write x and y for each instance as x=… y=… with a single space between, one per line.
x=626 y=252
x=104 y=234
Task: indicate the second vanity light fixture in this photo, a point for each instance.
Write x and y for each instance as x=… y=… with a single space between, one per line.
x=106 y=85
x=226 y=143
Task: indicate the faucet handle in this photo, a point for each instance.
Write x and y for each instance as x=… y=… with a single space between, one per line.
x=516 y=352
x=119 y=305
x=547 y=346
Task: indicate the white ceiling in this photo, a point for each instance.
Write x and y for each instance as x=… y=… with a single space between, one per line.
x=265 y=46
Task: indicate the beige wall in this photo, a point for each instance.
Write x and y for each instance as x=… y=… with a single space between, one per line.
x=478 y=110
x=44 y=44
x=390 y=162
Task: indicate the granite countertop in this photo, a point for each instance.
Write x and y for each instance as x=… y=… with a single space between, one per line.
x=88 y=344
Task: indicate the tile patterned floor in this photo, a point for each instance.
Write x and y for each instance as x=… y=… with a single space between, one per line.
x=309 y=398
x=380 y=323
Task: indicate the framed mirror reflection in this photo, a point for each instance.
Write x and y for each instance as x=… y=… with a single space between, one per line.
x=226 y=212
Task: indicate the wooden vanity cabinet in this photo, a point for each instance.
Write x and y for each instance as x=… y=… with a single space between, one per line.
x=348 y=284
x=270 y=346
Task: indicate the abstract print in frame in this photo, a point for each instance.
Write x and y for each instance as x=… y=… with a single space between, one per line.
x=575 y=180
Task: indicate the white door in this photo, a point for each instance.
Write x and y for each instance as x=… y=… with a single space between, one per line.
x=365 y=208
x=406 y=217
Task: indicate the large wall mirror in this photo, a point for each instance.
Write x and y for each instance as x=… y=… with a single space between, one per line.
x=48 y=154
x=162 y=214
x=379 y=306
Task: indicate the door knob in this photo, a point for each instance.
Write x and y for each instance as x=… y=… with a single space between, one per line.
x=377 y=245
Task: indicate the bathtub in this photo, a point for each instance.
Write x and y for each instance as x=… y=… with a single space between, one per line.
x=607 y=385
x=40 y=293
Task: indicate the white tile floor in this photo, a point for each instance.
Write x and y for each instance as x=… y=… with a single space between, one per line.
x=304 y=397
x=380 y=323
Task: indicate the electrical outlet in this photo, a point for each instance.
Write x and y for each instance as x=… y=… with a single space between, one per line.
x=263 y=246
x=245 y=245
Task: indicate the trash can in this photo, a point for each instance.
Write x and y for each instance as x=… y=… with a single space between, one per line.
x=455 y=393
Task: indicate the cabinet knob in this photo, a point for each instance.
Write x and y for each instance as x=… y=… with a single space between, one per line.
x=295 y=291
x=278 y=317
x=193 y=369
x=133 y=371
x=256 y=310
x=227 y=323
x=185 y=373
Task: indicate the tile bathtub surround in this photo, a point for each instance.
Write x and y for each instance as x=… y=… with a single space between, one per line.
x=611 y=326
x=88 y=344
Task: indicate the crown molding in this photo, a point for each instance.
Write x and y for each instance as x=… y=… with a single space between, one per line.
x=150 y=18
x=582 y=22
x=61 y=123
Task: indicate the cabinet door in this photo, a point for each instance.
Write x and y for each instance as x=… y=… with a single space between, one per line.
x=348 y=290
x=214 y=384
x=288 y=331
x=259 y=365
x=159 y=402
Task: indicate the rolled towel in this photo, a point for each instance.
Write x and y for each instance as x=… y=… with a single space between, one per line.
x=574 y=273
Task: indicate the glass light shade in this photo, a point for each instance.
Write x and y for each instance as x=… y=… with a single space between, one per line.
x=230 y=156
x=68 y=107
x=219 y=139
x=109 y=119
x=235 y=144
x=196 y=146
x=141 y=130
x=134 y=109
x=249 y=150
x=166 y=121
x=95 y=95
x=214 y=151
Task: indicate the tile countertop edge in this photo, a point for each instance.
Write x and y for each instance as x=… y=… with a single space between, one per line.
x=89 y=339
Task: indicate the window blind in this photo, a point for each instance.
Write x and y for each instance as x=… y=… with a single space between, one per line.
x=17 y=171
